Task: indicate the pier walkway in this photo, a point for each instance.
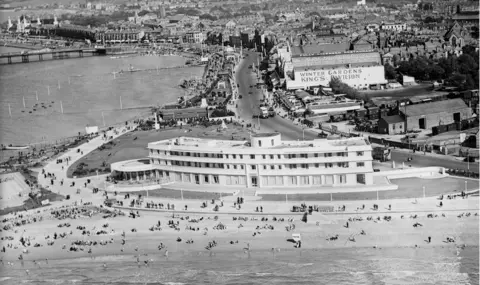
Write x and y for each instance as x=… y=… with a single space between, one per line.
x=25 y=57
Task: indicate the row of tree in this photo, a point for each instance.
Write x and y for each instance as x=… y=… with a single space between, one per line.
x=458 y=71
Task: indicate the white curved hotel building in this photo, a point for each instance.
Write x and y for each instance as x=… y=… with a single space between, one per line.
x=264 y=161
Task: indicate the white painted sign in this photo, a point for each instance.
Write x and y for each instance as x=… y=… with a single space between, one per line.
x=91 y=130
x=358 y=77
x=45 y=202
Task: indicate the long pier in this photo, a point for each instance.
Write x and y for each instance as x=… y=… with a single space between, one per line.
x=26 y=57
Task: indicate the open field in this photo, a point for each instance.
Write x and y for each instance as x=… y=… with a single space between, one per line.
x=134 y=145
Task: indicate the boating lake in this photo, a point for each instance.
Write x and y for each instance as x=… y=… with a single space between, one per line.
x=86 y=88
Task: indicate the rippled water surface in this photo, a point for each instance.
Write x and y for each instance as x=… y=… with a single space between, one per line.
x=330 y=266
x=86 y=88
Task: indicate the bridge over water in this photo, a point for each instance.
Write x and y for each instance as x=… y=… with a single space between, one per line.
x=33 y=56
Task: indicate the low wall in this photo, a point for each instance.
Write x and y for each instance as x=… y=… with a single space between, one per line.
x=228 y=118
x=412 y=172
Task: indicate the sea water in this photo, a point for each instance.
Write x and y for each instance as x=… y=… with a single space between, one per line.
x=323 y=266
x=86 y=88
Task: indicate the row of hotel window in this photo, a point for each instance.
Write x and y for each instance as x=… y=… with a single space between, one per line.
x=266 y=180
x=254 y=156
x=254 y=166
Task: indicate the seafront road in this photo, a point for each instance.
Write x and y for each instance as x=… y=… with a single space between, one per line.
x=245 y=77
x=249 y=103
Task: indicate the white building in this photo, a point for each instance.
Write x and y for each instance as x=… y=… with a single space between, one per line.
x=358 y=69
x=264 y=161
x=194 y=37
x=394 y=26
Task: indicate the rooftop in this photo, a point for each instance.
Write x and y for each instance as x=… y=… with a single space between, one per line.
x=218 y=145
x=435 y=107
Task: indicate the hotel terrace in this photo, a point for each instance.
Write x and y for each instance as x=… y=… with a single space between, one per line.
x=263 y=162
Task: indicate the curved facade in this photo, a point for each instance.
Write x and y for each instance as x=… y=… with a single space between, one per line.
x=264 y=161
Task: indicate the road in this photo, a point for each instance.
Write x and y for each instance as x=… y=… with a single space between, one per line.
x=421 y=160
x=249 y=102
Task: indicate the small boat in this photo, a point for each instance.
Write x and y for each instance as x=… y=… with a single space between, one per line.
x=16 y=147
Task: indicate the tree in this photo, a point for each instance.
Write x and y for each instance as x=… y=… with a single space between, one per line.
x=390 y=71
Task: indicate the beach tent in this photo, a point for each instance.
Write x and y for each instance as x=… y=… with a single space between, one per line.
x=296 y=237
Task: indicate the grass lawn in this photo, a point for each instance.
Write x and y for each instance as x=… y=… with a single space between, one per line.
x=407 y=188
x=176 y=194
x=126 y=147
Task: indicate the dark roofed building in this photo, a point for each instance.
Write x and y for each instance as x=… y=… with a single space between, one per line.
x=428 y=115
x=391 y=125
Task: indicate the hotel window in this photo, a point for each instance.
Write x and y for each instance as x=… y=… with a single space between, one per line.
x=359 y=153
x=328 y=165
x=158 y=151
x=303 y=155
x=273 y=142
x=271 y=156
x=226 y=156
x=329 y=179
x=220 y=165
x=328 y=154
x=178 y=176
x=360 y=164
x=205 y=155
x=341 y=154
x=186 y=177
x=260 y=143
x=205 y=177
x=228 y=166
x=317 y=180
x=234 y=166
x=252 y=156
x=207 y=165
x=272 y=167
x=279 y=156
x=234 y=156
x=317 y=165
x=293 y=166
x=279 y=167
x=342 y=164
x=342 y=179
x=304 y=180
x=215 y=179
x=292 y=180
x=316 y=155
x=219 y=155
x=187 y=154
x=303 y=165
x=254 y=167
x=241 y=156
x=229 y=180
x=241 y=167
x=279 y=180
x=265 y=167
x=264 y=156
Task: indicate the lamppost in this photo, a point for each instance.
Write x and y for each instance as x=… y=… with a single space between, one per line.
x=424 y=191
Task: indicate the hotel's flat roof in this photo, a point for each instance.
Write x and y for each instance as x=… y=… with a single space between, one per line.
x=213 y=145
